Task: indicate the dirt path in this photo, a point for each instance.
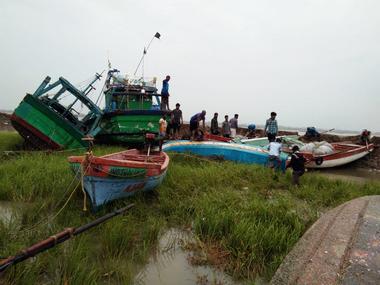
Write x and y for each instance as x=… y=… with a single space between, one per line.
x=5 y=122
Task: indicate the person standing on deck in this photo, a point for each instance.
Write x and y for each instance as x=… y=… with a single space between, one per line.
x=177 y=120
x=226 y=129
x=214 y=125
x=234 y=125
x=165 y=93
x=194 y=123
x=271 y=127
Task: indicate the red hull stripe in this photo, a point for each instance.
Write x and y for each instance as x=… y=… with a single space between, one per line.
x=35 y=132
x=342 y=153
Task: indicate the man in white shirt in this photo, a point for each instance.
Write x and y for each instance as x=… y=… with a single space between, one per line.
x=274 y=154
x=234 y=125
x=162 y=126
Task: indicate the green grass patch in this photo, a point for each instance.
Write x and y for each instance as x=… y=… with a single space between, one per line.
x=10 y=141
x=252 y=218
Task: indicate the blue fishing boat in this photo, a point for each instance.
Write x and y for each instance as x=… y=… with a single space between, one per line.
x=228 y=151
x=119 y=175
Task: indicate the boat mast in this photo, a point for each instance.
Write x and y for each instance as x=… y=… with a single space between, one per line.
x=87 y=90
x=157 y=35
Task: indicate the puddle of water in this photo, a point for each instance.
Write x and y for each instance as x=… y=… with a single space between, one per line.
x=351 y=174
x=170 y=265
x=7 y=211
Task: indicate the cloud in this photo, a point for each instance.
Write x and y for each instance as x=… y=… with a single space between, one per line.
x=313 y=62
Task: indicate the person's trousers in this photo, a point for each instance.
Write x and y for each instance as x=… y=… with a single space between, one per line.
x=233 y=132
x=296 y=176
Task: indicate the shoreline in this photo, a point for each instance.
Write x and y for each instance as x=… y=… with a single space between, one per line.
x=370 y=162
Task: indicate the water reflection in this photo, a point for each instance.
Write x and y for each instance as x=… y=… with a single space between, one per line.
x=170 y=264
x=351 y=174
x=7 y=211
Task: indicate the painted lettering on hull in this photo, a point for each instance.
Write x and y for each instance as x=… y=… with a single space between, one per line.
x=135 y=187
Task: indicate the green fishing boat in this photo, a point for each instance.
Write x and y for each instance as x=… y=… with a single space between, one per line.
x=132 y=109
x=57 y=116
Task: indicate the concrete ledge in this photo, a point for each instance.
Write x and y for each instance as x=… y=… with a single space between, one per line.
x=343 y=247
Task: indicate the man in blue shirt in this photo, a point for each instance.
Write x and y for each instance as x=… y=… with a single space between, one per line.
x=165 y=93
x=194 y=123
x=271 y=127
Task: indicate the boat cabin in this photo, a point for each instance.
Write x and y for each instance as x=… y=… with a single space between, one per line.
x=125 y=93
x=132 y=110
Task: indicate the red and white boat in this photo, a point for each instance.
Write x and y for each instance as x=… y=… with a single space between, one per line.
x=343 y=153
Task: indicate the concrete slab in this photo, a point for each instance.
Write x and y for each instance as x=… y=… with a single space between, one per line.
x=342 y=247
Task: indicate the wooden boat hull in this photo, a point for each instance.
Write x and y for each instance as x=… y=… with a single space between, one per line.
x=104 y=190
x=119 y=175
x=42 y=128
x=45 y=121
x=346 y=153
x=234 y=152
x=129 y=127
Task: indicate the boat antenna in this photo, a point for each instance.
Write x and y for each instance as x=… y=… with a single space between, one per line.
x=108 y=59
x=157 y=35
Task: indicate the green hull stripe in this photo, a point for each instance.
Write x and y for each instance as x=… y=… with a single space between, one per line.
x=133 y=124
x=116 y=172
x=48 y=123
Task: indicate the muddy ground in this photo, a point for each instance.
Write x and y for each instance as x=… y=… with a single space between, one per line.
x=5 y=123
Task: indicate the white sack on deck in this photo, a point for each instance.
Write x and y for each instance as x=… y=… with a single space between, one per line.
x=318 y=148
x=309 y=147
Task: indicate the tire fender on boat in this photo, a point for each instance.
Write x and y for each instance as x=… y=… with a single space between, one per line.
x=319 y=160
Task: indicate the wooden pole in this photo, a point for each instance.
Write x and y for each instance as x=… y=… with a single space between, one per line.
x=56 y=239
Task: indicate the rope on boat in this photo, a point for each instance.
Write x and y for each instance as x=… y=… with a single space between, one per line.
x=101 y=93
x=84 y=166
x=53 y=216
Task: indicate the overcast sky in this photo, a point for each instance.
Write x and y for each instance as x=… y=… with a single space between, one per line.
x=316 y=63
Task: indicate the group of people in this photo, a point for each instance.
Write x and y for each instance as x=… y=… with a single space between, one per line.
x=297 y=160
x=228 y=129
x=172 y=128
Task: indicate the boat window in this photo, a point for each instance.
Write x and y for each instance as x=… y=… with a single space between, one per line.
x=66 y=105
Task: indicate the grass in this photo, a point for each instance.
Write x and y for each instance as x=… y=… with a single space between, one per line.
x=237 y=211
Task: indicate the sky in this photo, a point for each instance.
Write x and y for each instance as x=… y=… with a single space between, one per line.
x=315 y=63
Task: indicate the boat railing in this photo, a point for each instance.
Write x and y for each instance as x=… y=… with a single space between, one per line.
x=73 y=98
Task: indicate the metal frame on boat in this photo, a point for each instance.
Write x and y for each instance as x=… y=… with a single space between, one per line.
x=45 y=122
